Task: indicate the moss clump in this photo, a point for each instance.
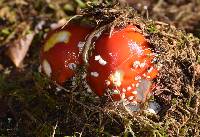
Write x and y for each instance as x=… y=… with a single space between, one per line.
x=178 y=78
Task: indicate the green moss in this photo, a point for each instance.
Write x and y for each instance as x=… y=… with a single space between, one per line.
x=152 y=28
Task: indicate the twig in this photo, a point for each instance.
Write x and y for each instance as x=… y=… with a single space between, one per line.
x=80 y=134
x=73 y=17
x=97 y=33
x=128 y=110
x=130 y=130
x=54 y=129
x=61 y=87
x=161 y=23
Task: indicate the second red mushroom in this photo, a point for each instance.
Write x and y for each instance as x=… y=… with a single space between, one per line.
x=122 y=65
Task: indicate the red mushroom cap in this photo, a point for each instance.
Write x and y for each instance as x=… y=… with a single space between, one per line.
x=61 y=51
x=122 y=64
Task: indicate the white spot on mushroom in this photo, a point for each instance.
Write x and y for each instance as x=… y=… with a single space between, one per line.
x=116 y=78
x=136 y=64
x=143 y=64
x=100 y=59
x=149 y=70
x=47 y=68
x=130 y=98
x=94 y=74
x=123 y=96
x=124 y=90
x=144 y=75
x=115 y=91
x=72 y=66
x=134 y=92
x=137 y=85
x=137 y=78
x=107 y=82
x=129 y=88
x=102 y=62
x=148 y=77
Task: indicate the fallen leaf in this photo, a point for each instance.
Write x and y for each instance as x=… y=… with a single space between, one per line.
x=19 y=48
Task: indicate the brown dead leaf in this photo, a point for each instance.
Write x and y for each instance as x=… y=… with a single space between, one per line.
x=19 y=48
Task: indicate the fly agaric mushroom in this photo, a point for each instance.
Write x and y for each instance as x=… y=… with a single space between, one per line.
x=60 y=53
x=122 y=64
